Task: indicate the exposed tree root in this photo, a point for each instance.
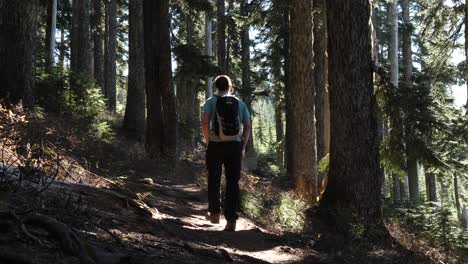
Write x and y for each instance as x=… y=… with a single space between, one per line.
x=69 y=240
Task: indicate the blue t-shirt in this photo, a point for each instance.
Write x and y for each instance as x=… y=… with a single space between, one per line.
x=210 y=107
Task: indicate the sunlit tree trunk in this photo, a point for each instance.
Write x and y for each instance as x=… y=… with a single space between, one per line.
x=134 y=120
x=320 y=77
x=18 y=21
x=246 y=91
x=301 y=114
x=209 y=51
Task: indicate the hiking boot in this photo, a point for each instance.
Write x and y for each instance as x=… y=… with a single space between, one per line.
x=230 y=226
x=213 y=218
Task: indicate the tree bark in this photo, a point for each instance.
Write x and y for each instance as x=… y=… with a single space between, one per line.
x=161 y=128
x=18 y=21
x=246 y=91
x=134 y=120
x=110 y=66
x=396 y=122
x=285 y=34
x=229 y=38
x=98 y=43
x=50 y=33
x=209 y=51
x=431 y=187
x=187 y=93
x=413 y=179
x=457 y=195
x=221 y=35
x=466 y=54
x=80 y=61
x=301 y=117
x=320 y=72
x=354 y=188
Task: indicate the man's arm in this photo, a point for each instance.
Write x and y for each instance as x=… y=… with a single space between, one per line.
x=206 y=126
x=246 y=133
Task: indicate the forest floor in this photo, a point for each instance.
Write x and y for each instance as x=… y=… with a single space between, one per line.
x=125 y=208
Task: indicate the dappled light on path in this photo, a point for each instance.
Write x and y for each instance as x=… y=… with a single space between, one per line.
x=182 y=214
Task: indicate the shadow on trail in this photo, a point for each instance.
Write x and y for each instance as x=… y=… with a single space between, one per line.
x=252 y=240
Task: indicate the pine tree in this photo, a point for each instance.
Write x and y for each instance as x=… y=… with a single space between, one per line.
x=301 y=113
x=110 y=56
x=18 y=22
x=161 y=127
x=246 y=91
x=209 y=51
x=50 y=32
x=221 y=35
x=412 y=159
x=98 y=42
x=80 y=61
x=320 y=77
x=353 y=190
x=134 y=120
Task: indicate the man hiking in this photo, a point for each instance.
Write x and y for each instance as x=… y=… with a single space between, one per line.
x=226 y=128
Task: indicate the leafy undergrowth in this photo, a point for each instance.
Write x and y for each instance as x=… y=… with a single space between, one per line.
x=110 y=202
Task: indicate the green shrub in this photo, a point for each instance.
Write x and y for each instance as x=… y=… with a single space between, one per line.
x=289 y=212
x=75 y=95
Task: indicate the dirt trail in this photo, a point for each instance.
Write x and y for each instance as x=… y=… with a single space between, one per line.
x=182 y=210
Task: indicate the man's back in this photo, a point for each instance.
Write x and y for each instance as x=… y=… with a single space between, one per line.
x=210 y=107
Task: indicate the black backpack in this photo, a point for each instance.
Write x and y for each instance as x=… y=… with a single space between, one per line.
x=227 y=122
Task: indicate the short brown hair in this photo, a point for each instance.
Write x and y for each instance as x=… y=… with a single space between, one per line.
x=222 y=83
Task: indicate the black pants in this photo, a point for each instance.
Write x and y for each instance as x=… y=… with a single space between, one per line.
x=228 y=154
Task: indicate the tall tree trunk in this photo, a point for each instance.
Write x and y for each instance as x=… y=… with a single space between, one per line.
x=457 y=195
x=466 y=53
x=277 y=49
x=303 y=161
x=110 y=66
x=354 y=190
x=18 y=20
x=287 y=83
x=396 y=122
x=320 y=75
x=98 y=43
x=161 y=128
x=50 y=33
x=209 y=51
x=230 y=36
x=134 y=120
x=187 y=95
x=62 y=49
x=221 y=35
x=431 y=187
x=413 y=179
x=246 y=91
x=80 y=61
